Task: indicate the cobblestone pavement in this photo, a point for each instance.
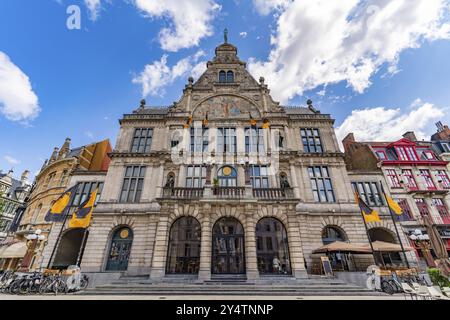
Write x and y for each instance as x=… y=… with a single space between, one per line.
x=149 y=297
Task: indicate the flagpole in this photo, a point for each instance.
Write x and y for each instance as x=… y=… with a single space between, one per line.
x=83 y=244
x=395 y=226
x=365 y=225
x=60 y=233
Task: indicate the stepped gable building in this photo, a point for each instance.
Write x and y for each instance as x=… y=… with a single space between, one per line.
x=416 y=177
x=226 y=182
x=49 y=184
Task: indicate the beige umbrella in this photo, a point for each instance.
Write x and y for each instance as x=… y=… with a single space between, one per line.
x=382 y=246
x=340 y=246
x=438 y=246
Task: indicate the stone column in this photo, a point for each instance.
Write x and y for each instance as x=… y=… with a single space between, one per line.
x=250 y=246
x=295 y=247
x=205 y=247
x=160 y=251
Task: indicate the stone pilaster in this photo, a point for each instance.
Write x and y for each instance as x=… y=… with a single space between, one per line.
x=250 y=247
x=295 y=248
x=160 y=252
x=205 y=248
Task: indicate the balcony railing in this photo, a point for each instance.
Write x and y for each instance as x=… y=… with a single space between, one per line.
x=229 y=192
x=273 y=193
x=183 y=193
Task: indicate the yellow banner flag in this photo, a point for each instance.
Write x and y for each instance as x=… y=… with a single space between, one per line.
x=395 y=207
x=81 y=218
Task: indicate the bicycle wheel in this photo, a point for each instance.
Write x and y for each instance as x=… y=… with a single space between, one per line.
x=24 y=287
x=84 y=283
x=387 y=287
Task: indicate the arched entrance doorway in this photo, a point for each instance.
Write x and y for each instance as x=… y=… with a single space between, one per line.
x=183 y=255
x=228 y=247
x=119 y=249
x=385 y=258
x=272 y=248
x=70 y=248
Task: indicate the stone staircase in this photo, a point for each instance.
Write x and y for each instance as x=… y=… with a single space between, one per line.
x=313 y=286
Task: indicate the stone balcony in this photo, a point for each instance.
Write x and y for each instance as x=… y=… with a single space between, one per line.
x=214 y=192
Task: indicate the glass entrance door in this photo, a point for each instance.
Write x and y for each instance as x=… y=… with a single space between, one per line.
x=228 y=247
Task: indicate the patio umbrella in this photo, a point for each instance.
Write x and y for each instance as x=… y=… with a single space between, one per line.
x=438 y=246
x=340 y=246
x=381 y=246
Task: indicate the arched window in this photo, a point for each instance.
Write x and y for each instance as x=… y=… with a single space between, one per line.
x=227 y=176
x=70 y=248
x=385 y=258
x=272 y=248
x=119 y=249
x=380 y=234
x=332 y=234
x=222 y=77
x=228 y=247
x=230 y=76
x=183 y=254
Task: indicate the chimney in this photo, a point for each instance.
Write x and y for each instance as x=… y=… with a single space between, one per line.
x=24 y=177
x=348 y=140
x=410 y=135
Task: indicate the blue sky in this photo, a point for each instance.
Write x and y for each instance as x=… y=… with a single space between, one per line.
x=379 y=67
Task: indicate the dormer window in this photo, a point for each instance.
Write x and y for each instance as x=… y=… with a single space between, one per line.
x=406 y=153
x=226 y=77
x=381 y=155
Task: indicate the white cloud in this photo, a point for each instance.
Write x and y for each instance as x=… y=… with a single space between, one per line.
x=243 y=34
x=157 y=75
x=264 y=7
x=89 y=134
x=11 y=160
x=94 y=7
x=190 y=20
x=320 y=42
x=382 y=124
x=18 y=102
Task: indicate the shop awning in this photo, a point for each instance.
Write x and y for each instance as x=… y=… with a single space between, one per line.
x=14 y=250
x=382 y=246
x=340 y=246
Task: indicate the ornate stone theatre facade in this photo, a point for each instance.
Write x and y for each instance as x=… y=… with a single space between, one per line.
x=226 y=182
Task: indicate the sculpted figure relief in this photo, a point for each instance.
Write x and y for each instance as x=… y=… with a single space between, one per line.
x=220 y=107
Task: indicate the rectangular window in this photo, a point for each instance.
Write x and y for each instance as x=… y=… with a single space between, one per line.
x=254 y=140
x=226 y=140
x=443 y=178
x=83 y=191
x=199 y=139
x=406 y=211
x=321 y=184
x=369 y=192
x=142 y=140
x=195 y=176
x=132 y=184
x=428 y=180
x=442 y=209
x=259 y=176
x=393 y=178
x=381 y=155
x=311 y=140
x=401 y=154
x=409 y=179
x=63 y=178
x=445 y=147
x=422 y=206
